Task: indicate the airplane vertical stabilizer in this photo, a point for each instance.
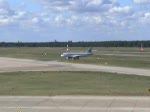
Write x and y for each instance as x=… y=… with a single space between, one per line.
x=89 y=50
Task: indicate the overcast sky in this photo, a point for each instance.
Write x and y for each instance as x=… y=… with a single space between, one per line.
x=76 y=20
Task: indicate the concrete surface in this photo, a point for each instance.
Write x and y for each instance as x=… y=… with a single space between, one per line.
x=13 y=65
x=74 y=104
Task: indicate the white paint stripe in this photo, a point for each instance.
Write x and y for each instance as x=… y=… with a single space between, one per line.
x=74 y=108
x=76 y=97
x=19 y=110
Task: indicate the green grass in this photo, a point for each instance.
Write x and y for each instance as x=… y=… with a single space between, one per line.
x=133 y=62
x=31 y=53
x=73 y=83
x=54 y=54
x=121 y=61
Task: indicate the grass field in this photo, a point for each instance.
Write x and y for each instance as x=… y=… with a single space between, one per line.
x=122 y=57
x=99 y=56
x=31 y=53
x=133 y=62
x=73 y=83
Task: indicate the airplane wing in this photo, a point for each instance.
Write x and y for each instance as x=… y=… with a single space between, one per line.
x=76 y=56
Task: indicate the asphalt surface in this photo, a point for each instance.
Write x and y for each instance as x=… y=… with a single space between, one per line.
x=14 y=65
x=74 y=104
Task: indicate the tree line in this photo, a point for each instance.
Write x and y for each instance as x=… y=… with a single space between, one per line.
x=78 y=44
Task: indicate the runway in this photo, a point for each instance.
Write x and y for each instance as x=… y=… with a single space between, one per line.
x=14 y=65
x=74 y=104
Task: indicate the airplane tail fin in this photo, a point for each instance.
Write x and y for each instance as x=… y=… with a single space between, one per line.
x=89 y=50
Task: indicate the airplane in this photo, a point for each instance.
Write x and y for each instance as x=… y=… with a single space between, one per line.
x=76 y=55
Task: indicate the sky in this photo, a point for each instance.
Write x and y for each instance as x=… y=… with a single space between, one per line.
x=74 y=20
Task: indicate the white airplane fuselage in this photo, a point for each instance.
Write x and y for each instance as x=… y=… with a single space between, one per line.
x=68 y=55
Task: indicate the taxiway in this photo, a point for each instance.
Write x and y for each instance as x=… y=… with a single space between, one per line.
x=74 y=104
x=14 y=65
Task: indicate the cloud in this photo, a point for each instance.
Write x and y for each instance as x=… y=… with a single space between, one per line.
x=142 y=1
x=54 y=5
x=77 y=19
x=5 y=8
x=78 y=13
x=80 y=6
x=5 y=13
x=87 y=12
x=121 y=10
x=70 y=13
x=145 y=19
